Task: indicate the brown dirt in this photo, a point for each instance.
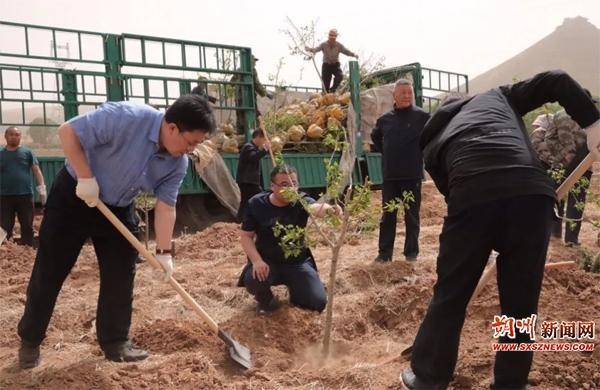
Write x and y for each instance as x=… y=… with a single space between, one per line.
x=378 y=309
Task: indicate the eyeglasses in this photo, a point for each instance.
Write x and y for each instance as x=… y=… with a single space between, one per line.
x=191 y=143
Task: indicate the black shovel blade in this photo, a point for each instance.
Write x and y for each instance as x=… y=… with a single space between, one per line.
x=237 y=351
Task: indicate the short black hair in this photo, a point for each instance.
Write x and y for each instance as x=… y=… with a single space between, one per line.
x=283 y=168
x=258 y=133
x=191 y=112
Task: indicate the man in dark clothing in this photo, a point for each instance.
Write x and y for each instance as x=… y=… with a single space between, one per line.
x=396 y=135
x=267 y=265
x=259 y=90
x=248 y=169
x=499 y=197
x=202 y=90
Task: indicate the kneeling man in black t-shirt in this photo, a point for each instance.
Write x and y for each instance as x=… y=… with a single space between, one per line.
x=267 y=264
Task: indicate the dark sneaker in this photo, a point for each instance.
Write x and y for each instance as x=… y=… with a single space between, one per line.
x=411 y=257
x=571 y=244
x=124 y=351
x=383 y=258
x=410 y=381
x=270 y=307
x=29 y=356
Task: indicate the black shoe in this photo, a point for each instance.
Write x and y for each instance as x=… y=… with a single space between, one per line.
x=269 y=307
x=571 y=244
x=383 y=258
x=124 y=351
x=29 y=356
x=410 y=381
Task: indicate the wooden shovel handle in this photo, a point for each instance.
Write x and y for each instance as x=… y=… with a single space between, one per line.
x=570 y=181
x=270 y=146
x=152 y=260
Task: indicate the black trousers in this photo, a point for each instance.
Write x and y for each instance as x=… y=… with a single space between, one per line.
x=387 y=225
x=573 y=212
x=247 y=191
x=328 y=70
x=68 y=222
x=22 y=207
x=302 y=280
x=518 y=229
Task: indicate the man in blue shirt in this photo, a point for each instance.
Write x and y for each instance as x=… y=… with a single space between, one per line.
x=17 y=163
x=112 y=153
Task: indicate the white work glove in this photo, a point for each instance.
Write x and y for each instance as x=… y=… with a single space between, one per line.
x=593 y=140
x=166 y=260
x=41 y=189
x=88 y=191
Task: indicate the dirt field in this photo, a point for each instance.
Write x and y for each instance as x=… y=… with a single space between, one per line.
x=377 y=312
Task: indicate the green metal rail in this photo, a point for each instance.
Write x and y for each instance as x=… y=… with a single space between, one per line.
x=311 y=171
x=122 y=67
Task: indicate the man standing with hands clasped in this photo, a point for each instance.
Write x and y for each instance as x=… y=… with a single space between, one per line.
x=112 y=154
x=396 y=135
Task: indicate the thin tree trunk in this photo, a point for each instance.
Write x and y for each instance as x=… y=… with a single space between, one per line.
x=330 y=294
x=147 y=229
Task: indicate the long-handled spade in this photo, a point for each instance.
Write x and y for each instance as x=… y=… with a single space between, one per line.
x=561 y=192
x=237 y=351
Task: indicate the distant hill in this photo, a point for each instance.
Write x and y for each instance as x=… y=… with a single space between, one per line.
x=574 y=47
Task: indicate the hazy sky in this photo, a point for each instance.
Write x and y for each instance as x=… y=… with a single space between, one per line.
x=468 y=36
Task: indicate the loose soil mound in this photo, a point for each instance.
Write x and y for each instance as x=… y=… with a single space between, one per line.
x=378 y=308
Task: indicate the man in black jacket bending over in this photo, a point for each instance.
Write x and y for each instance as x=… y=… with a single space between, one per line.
x=248 y=169
x=396 y=135
x=499 y=197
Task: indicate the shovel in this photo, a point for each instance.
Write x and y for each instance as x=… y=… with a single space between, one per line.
x=561 y=192
x=237 y=351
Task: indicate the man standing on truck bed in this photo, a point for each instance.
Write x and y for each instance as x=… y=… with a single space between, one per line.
x=331 y=49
